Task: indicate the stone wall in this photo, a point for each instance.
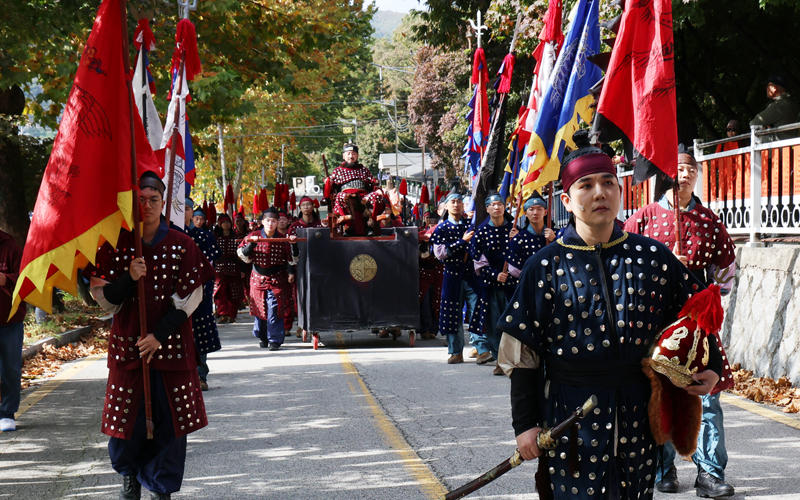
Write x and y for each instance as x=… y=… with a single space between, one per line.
x=762 y=321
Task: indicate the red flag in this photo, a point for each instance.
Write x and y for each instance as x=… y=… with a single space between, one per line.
x=403 y=189
x=86 y=194
x=638 y=98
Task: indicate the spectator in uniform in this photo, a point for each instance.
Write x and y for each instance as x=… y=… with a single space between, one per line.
x=708 y=252
x=11 y=333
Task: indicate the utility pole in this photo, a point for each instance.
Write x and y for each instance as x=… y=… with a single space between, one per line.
x=396 y=143
x=283 y=172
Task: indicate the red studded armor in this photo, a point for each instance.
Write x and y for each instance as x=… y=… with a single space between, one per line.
x=175 y=265
x=705 y=238
x=274 y=258
x=228 y=262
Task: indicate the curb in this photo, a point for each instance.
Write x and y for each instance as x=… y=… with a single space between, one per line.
x=60 y=340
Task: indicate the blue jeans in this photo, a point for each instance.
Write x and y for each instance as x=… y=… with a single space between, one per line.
x=455 y=342
x=711 y=454
x=202 y=365
x=10 y=368
x=270 y=330
x=498 y=302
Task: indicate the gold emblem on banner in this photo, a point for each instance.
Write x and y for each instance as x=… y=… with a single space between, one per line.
x=363 y=268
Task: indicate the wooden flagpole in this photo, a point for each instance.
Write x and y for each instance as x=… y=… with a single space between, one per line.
x=137 y=230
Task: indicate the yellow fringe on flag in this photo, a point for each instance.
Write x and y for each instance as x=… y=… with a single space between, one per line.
x=71 y=256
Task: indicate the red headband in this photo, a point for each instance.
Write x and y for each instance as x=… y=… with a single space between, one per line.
x=586 y=165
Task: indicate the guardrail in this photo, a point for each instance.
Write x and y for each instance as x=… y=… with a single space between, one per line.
x=755 y=188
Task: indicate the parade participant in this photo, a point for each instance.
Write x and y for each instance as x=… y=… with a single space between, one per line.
x=173 y=292
x=355 y=184
x=284 y=221
x=204 y=325
x=488 y=249
x=228 y=284
x=708 y=252
x=450 y=243
x=11 y=333
x=431 y=273
x=309 y=217
x=533 y=237
x=586 y=312
x=241 y=224
x=388 y=218
x=271 y=266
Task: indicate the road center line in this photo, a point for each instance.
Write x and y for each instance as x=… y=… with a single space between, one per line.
x=430 y=485
x=759 y=409
x=54 y=382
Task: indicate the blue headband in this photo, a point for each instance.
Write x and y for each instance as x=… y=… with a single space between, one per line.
x=534 y=202
x=189 y=203
x=493 y=198
x=453 y=196
x=198 y=212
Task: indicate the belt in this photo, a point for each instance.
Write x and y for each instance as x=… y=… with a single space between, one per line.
x=355 y=184
x=612 y=373
x=268 y=271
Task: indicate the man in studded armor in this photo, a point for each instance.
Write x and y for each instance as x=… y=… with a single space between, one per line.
x=488 y=249
x=709 y=254
x=271 y=262
x=586 y=312
x=204 y=325
x=173 y=270
x=355 y=184
x=228 y=285
x=450 y=242
x=533 y=236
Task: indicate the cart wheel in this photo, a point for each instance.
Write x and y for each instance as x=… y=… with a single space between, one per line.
x=315 y=341
x=412 y=336
x=305 y=336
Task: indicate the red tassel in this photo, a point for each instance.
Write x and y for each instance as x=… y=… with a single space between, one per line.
x=263 y=203
x=479 y=66
x=403 y=189
x=212 y=214
x=229 y=200
x=506 y=70
x=186 y=44
x=424 y=197
x=327 y=189
x=255 y=203
x=551 y=31
x=292 y=200
x=144 y=34
x=705 y=308
x=316 y=203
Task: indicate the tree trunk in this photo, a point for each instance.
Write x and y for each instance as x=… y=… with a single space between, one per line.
x=13 y=207
x=237 y=180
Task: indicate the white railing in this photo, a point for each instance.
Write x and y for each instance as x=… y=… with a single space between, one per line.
x=755 y=188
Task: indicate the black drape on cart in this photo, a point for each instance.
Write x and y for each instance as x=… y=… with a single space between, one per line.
x=346 y=283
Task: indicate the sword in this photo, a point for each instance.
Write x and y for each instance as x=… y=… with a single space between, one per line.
x=546 y=440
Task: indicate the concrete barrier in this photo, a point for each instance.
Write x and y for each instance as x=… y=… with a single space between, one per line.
x=762 y=319
x=60 y=340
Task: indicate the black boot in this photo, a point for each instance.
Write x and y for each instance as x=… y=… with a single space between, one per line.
x=159 y=496
x=669 y=482
x=710 y=486
x=131 y=489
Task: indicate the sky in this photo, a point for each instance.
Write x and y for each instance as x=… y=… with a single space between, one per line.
x=399 y=5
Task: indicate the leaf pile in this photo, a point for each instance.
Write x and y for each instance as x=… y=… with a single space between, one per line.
x=766 y=390
x=48 y=362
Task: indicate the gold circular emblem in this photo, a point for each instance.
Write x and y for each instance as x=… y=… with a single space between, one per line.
x=363 y=268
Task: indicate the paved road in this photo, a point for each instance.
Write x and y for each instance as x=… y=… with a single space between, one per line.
x=360 y=418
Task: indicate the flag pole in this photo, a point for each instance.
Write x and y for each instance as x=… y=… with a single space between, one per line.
x=175 y=126
x=137 y=230
x=676 y=205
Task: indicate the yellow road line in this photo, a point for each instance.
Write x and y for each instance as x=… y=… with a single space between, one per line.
x=54 y=382
x=429 y=484
x=758 y=409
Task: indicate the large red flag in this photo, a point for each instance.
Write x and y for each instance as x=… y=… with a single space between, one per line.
x=86 y=192
x=638 y=99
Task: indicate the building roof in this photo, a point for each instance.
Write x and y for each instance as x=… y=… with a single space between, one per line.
x=408 y=165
